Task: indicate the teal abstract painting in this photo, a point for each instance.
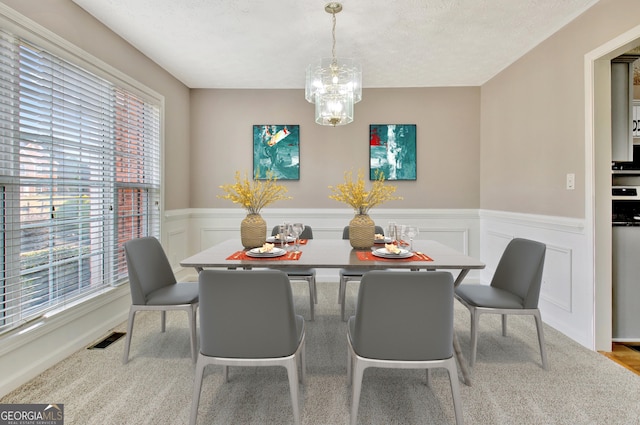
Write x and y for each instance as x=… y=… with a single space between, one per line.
x=392 y=151
x=276 y=149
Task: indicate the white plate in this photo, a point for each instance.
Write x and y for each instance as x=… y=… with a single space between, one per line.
x=382 y=252
x=272 y=239
x=275 y=252
x=385 y=240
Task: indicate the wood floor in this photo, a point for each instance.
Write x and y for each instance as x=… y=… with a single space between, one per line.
x=625 y=356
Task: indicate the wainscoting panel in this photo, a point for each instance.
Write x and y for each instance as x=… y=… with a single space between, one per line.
x=557 y=282
x=567 y=294
x=210 y=236
x=496 y=243
x=176 y=245
x=457 y=239
x=175 y=235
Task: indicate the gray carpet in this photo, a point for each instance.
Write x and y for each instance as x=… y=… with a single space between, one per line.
x=509 y=387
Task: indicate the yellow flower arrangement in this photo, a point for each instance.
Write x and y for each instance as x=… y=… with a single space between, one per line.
x=354 y=193
x=254 y=195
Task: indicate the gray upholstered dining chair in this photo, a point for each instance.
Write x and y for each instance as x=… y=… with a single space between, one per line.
x=514 y=289
x=154 y=287
x=402 y=321
x=247 y=318
x=306 y=274
x=347 y=275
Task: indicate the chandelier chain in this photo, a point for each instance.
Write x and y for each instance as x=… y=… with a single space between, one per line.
x=333 y=35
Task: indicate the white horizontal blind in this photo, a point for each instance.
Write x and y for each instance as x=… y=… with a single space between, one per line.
x=137 y=171
x=79 y=175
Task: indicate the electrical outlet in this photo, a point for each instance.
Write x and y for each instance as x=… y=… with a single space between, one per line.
x=571 y=181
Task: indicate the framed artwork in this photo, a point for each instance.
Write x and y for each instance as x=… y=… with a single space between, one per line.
x=276 y=148
x=392 y=151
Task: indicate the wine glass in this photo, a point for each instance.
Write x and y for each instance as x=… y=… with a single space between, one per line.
x=294 y=233
x=290 y=234
x=412 y=233
x=297 y=232
x=284 y=236
x=391 y=230
x=281 y=232
x=401 y=232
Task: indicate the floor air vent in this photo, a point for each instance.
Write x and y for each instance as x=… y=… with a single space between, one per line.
x=108 y=340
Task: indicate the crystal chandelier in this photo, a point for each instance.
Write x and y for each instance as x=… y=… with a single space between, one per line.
x=333 y=84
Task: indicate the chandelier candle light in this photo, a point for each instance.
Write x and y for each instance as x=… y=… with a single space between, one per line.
x=333 y=84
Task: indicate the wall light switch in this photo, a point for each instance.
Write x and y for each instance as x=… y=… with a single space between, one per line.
x=571 y=181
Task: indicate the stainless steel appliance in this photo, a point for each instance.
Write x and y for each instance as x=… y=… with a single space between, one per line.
x=626 y=262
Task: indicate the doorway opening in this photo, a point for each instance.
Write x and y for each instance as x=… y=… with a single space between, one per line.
x=598 y=210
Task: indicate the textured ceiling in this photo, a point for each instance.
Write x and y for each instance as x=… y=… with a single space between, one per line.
x=268 y=44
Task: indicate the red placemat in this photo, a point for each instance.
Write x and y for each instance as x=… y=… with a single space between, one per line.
x=368 y=256
x=242 y=255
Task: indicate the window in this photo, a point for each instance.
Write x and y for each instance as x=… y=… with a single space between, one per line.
x=79 y=175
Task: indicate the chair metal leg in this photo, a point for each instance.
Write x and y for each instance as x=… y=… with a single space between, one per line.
x=197 y=387
x=292 y=373
x=358 y=372
x=312 y=300
x=357 y=365
x=342 y=312
x=455 y=390
x=543 y=350
x=349 y=367
x=313 y=293
x=457 y=352
x=192 y=326
x=189 y=308
x=315 y=290
x=290 y=363
x=127 y=344
x=343 y=297
x=475 y=319
x=341 y=290
x=303 y=362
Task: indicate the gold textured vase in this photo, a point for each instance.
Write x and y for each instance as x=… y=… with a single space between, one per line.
x=253 y=231
x=362 y=231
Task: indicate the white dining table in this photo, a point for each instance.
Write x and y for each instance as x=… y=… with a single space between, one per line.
x=338 y=254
